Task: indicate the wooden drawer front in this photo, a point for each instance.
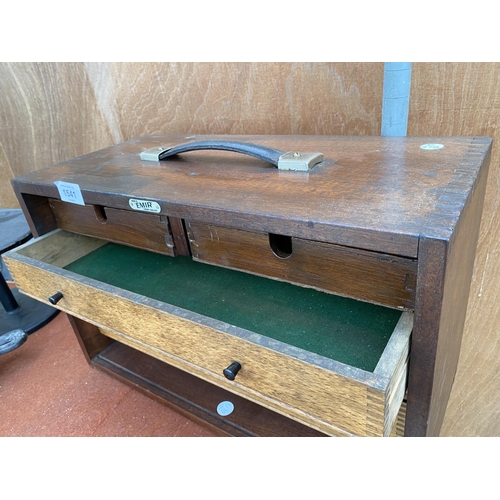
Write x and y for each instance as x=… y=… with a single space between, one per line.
x=378 y=278
x=327 y=395
x=323 y=398
x=141 y=230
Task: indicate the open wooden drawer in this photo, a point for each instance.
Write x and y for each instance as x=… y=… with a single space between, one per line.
x=335 y=364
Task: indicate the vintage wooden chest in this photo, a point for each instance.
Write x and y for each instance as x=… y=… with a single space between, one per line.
x=313 y=285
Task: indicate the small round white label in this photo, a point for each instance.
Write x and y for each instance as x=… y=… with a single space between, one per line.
x=225 y=408
x=144 y=206
x=431 y=146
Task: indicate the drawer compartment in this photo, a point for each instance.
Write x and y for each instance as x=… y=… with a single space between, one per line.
x=141 y=230
x=378 y=278
x=335 y=364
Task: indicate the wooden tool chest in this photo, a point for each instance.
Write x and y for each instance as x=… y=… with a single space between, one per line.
x=317 y=285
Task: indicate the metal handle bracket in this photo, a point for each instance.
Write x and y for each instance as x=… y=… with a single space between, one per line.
x=299 y=161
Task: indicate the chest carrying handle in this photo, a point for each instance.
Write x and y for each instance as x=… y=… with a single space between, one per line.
x=278 y=158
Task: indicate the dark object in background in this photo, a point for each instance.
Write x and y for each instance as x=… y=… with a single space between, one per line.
x=20 y=315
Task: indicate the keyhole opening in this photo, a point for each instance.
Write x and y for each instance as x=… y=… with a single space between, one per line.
x=280 y=245
x=100 y=213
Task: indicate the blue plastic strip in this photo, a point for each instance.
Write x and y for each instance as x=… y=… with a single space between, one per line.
x=396 y=98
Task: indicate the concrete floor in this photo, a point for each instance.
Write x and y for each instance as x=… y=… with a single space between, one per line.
x=48 y=389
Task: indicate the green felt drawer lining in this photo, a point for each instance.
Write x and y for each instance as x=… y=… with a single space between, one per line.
x=339 y=328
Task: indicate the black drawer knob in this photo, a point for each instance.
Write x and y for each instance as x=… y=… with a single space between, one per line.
x=231 y=371
x=55 y=298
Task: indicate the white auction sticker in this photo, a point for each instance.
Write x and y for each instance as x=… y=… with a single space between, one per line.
x=70 y=192
x=431 y=147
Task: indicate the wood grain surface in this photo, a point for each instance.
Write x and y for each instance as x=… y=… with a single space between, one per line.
x=332 y=397
x=126 y=227
x=91 y=341
x=58 y=111
x=464 y=99
x=376 y=193
x=196 y=399
x=52 y=112
x=370 y=276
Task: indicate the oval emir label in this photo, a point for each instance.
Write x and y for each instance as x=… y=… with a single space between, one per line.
x=144 y=206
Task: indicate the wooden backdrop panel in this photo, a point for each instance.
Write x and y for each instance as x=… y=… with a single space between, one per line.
x=464 y=99
x=245 y=98
x=50 y=112
x=56 y=111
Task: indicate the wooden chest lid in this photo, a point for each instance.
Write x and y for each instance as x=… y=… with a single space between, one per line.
x=377 y=193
